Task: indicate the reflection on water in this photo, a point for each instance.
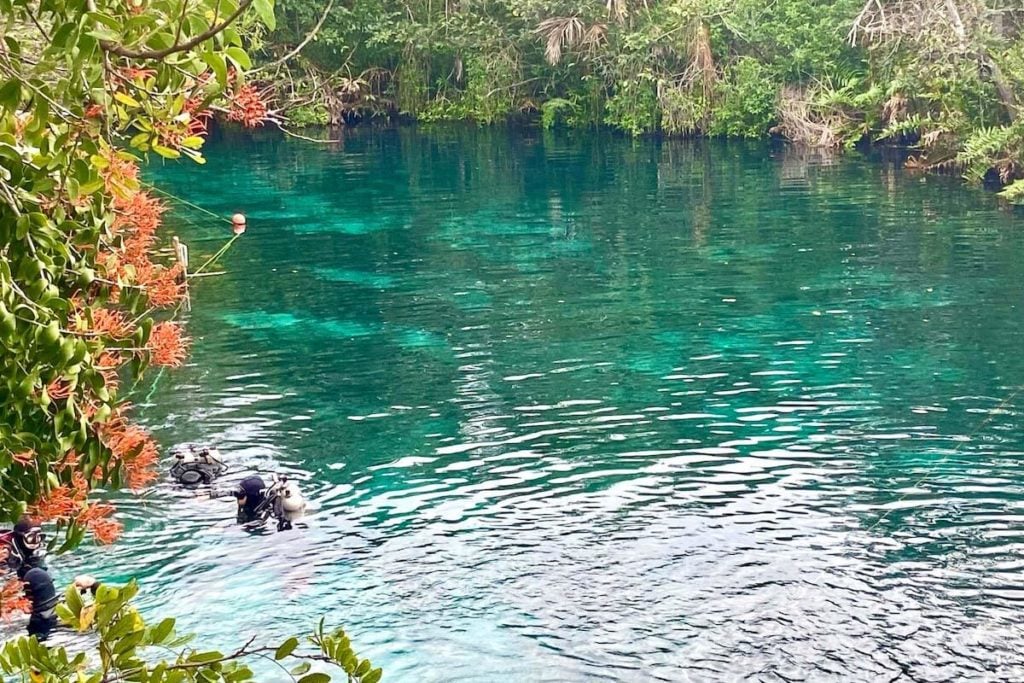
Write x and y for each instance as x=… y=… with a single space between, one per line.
x=599 y=409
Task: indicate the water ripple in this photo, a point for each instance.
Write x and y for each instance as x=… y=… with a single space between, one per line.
x=601 y=411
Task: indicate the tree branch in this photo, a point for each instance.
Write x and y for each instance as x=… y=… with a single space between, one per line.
x=123 y=51
x=304 y=43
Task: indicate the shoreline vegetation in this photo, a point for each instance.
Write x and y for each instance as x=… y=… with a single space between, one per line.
x=942 y=79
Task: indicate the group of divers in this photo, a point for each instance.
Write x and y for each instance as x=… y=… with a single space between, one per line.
x=194 y=466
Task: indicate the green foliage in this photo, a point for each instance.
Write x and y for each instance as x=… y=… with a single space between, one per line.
x=991 y=147
x=633 y=107
x=126 y=644
x=746 y=100
x=1014 y=192
x=683 y=67
x=82 y=85
x=314 y=114
x=557 y=112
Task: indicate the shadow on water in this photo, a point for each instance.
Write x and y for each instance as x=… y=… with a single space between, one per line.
x=588 y=408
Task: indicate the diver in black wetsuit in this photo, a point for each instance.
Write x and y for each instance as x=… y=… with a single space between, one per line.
x=257 y=502
x=252 y=500
x=42 y=595
x=40 y=592
x=24 y=546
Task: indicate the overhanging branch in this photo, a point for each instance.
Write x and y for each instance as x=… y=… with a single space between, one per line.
x=304 y=43
x=131 y=53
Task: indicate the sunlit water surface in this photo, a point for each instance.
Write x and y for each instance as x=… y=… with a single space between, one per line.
x=596 y=409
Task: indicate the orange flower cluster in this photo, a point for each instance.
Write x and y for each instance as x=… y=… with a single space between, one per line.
x=132 y=449
x=167 y=345
x=119 y=173
x=107 y=364
x=132 y=73
x=67 y=503
x=137 y=218
x=13 y=600
x=139 y=214
x=96 y=518
x=12 y=595
x=248 y=107
x=63 y=502
x=58 y=389
x=198 y=119
x=69 y=462
x=165 y=286
x=108 y=322
x=171 y=133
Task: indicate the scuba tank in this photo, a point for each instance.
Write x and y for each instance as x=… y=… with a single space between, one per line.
x=285 y=502
x=196 y=465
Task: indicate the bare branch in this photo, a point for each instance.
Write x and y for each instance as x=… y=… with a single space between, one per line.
x=304 y=43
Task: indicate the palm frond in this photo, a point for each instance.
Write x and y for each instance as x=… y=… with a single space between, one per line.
x=560 y=33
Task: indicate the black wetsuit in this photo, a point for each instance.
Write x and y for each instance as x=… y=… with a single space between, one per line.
x=255 y=508
x=43 y=596
x=21 y=558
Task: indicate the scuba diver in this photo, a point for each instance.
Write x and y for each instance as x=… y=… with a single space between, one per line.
x=196 y=465
x=257 y=502
x=43 y=597
x=24 y=545
x=252 y=501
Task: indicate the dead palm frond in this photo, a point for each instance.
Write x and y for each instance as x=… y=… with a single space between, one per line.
x=617 y=9
x=560 y=33
x=595 y=37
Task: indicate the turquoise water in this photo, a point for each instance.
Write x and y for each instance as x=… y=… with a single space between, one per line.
x=596 y=409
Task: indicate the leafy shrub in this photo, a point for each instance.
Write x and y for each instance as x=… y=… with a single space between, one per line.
x=746 y=100
x=633 y=108
x=557 y=112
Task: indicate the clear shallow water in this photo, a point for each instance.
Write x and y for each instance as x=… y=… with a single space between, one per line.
x=599 y=409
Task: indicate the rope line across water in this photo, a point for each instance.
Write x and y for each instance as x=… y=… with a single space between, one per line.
x=187 y=203
x=931 y=470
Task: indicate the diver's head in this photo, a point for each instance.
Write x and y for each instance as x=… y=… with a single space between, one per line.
x=28 y=534
x=249 y=492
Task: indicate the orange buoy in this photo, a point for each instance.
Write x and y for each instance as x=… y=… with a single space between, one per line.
x=238 y=223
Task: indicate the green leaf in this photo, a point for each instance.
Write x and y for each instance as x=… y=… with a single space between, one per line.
x=10 y=94
x=373 y=676
x=166 y=152
x=128 y=642
x=202 y=657
x=287 y=647
x=73 y=601
x=220 y=68
x=315 y=678
x=239 y=57
x=265 y=9
x=301 y=669
x=126 y=100
x=101 y=33
x=162 y=630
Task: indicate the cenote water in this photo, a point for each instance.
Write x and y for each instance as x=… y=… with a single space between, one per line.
x=597 y=409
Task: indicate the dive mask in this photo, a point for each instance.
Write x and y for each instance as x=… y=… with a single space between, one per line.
x=33 y=538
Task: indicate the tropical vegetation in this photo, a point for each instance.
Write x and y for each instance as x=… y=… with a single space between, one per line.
x=89 y=299
x=123 y=639
x=942 y=77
